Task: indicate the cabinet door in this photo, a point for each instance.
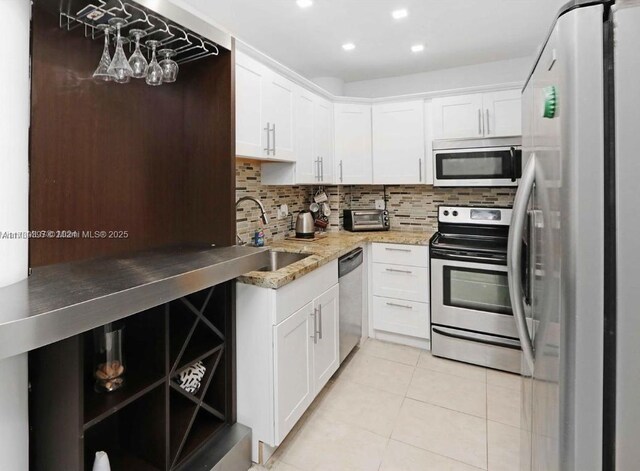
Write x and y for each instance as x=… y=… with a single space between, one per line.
x=353 y=157
x=326 y=348
x=458 y=116
x=251 y=121
x=280 y=112
x=306 y=159
x=323 y=138
x=398 y=143
x=293 y=357
x=503 y=113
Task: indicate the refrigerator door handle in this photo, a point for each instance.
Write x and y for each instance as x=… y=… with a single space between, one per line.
x=514 y=260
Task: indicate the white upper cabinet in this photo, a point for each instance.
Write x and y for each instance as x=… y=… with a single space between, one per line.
x=503 y=113
x=264 y=112
x=251 y=122
x=399 y=143
x=457 y=117
x=314 y=139
x=479 y=115
x=280 y=115
x=323 y=138
x=306 y=171
x=353 y=153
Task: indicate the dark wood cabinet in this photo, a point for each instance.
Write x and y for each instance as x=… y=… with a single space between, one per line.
x=150 y=423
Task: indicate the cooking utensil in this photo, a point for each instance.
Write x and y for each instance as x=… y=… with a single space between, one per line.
x=305 y=228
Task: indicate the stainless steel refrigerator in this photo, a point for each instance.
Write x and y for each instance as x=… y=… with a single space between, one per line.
x=574 y=244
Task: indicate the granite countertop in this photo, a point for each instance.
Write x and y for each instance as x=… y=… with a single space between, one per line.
x=333 y=246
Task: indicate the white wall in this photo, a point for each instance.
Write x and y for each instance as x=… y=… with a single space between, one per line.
x=491 y=73
x=14 y=188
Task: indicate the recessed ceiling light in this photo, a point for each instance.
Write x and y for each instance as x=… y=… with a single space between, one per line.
x=348 y=47
x=399 y=14
x=304 y=3
x=417 y=48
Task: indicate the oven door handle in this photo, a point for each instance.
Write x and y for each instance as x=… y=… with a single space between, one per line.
x=464 y=257
x=514 y=260
x=471 y=337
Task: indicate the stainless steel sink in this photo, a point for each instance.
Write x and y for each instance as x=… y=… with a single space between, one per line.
x=278 y=260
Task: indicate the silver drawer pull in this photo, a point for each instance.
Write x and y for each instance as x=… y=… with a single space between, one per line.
x=391 y=249
x=394 y=270
x=400 y=305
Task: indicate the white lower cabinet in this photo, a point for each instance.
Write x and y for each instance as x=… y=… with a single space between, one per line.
x=287 y=349
x=400 y=293
x=294 y=382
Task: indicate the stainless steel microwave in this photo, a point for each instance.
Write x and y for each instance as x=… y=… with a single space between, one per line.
x=477 y=162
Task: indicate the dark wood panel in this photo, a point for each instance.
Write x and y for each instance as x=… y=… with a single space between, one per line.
x=154 y=161
x=55 y=406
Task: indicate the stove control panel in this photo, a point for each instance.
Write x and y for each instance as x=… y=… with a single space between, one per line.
x=474 y=215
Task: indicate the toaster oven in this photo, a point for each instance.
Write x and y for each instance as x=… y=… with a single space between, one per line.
x=366 y=220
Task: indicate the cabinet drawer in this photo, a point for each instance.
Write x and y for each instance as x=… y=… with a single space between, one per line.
x=401 y=282
x=401 y=317
x=397 y=254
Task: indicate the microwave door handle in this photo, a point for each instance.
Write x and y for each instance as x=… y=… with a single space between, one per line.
x=514 y=260
x=512 y=155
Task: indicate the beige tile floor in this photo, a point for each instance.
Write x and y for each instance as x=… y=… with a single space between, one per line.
x=397 y=408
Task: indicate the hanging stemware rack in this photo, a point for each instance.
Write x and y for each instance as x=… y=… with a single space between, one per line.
x=187 y=45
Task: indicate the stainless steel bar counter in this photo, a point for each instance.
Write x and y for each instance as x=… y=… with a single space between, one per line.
x=59 y=301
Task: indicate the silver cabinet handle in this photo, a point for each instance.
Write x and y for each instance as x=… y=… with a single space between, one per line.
x=341 y=179
x=274 y=138
x=488 y=124
x=393 y=249
x=479 y=121
x=320 y=320
x=420 y=169
x=268 y=148
x=318 y=169
x=395 y=270
x=404 y=306
x=315 y=326
x=514 y=260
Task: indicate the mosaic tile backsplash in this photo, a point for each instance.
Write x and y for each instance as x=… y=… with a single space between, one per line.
x=410 y=208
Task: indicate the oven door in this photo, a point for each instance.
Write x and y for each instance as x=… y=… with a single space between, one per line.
x=471 y=296
x=494 y=166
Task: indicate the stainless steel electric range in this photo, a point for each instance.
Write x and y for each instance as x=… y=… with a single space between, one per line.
x=471 y=315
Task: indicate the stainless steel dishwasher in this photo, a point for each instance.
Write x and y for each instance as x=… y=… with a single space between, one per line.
x=350 y=277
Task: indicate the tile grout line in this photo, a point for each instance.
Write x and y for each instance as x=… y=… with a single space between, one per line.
x=487 y=421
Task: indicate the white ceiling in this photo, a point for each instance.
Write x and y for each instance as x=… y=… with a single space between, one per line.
x=454 y=32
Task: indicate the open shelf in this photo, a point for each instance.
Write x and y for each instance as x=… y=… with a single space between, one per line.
x=204 y=427
x=214 y=310
x=182 y=321
x=150 y=423
x=133 y=437
x=182 y=412
x=216 y=394
x=211 y=363
x=202 y=343
x=145 y=368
